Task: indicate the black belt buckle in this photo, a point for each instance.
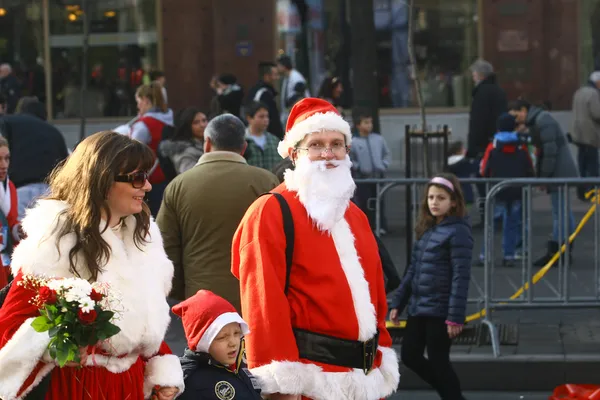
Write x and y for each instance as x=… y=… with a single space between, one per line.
x=369 y=352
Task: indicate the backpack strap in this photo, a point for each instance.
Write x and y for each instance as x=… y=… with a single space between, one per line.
x=288 y=229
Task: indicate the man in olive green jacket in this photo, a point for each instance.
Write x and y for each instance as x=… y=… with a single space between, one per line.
x=203 y=207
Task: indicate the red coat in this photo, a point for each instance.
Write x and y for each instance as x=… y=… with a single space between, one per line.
x=130 y=363
x=155 y=127
x=336 y=288
x=13 y=222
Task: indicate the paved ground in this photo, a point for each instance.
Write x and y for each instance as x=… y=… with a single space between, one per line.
x=423 y=395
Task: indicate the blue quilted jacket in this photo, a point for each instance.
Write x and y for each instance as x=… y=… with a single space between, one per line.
x=437 y=279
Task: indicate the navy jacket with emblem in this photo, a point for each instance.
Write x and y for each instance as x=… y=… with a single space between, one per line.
x=206 y=379
x=438 y=276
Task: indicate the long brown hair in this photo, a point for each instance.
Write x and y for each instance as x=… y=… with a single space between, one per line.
x=426 y=220
x=83 y=182
x=153 y=92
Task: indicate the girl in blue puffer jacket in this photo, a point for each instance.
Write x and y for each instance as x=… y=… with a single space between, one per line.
x=436 y=285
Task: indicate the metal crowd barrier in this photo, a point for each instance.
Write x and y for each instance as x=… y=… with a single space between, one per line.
x=524 y=296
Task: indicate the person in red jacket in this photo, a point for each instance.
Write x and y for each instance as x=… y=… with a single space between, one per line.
x=154 y=115
x=10 y=228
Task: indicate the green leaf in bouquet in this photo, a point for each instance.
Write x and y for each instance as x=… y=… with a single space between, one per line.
x=62 y=356
x=69 y=318
x=104 y=316
x=53 y=331
x=73 y=354
x=110 y=330
x=52 y=352
x=41 y=324
x=77 y=334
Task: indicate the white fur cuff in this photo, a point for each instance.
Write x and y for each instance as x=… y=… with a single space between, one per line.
x=18 y=358
x=318 y=122
x=163 y=371
x=288 y=377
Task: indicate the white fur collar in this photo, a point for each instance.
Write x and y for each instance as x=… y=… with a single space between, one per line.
x=142 y=278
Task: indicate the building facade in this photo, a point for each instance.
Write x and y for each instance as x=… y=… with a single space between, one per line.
x=542 y=50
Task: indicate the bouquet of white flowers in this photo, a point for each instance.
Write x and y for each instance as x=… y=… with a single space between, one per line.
x=74 y=312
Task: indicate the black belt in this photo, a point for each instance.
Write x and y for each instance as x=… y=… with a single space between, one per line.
x=335 y=351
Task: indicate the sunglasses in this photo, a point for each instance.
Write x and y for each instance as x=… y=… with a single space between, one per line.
x=137 y=179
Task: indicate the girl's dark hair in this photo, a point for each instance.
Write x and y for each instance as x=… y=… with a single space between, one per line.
x=183 y=124
x=425 y=220
x=327 y=86
x=83 y=181
x=253 y=107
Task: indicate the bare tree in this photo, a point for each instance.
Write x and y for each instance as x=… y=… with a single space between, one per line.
x=417 y=83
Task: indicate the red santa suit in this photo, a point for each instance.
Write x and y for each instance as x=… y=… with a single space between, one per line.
x=9 y=205
x=336 y=288
x=129 y=364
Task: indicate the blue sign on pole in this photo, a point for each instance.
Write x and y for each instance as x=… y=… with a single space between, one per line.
x=243 y=49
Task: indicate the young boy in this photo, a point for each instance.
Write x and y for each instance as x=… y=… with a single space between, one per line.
x=262 y=145
x=508 y=157
x=370 y=159
x=213 y=364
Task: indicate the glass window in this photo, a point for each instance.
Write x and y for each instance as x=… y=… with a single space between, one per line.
x=445 y=42
x=590 y=38
x=300 y=36
x=123 y=50
x=22 y=47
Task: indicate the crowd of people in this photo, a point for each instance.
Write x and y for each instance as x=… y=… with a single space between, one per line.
x=261 y=238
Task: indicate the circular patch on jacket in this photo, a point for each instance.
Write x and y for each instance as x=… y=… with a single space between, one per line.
x=224 y=390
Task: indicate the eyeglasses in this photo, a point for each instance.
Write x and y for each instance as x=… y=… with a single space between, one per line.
x=315 y=149
x=137 y=179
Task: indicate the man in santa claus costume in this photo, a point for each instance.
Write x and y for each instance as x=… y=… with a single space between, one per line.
x=318 y=332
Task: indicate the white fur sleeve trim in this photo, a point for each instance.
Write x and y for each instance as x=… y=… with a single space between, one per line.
x=19 y=357
x=163 y=371
x=315 y=123
x=288 y=377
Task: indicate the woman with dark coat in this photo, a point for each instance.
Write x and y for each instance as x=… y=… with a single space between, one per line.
x=186 y=146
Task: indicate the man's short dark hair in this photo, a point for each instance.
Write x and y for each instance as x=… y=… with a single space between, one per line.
x=360 y=114
x=265 y=68
x=253 y=107
x=286 y=61
x=300 y=87
x=154 y=75
x=456 y=147
x=226 y=133
x=517 y=105
x=227 y=79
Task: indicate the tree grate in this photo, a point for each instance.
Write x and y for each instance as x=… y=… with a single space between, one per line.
x=474 y=335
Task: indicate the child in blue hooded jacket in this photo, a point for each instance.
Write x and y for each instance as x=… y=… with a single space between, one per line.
x=437 y=283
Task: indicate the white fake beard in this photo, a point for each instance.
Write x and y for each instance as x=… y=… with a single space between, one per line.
x=325 y=193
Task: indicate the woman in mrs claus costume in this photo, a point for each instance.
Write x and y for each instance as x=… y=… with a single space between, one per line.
x=94 y=225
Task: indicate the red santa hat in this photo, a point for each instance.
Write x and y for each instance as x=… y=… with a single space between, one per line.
x=203 y=316
x=308 y=116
